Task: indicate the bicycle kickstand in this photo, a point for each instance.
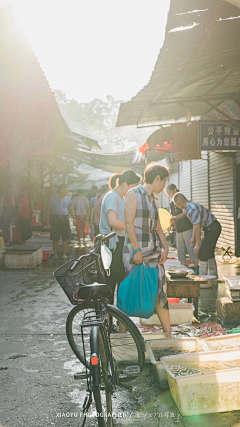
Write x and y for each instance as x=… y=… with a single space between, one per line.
x=86 y=406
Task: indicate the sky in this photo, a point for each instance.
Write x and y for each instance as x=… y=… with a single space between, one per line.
x=93 y=48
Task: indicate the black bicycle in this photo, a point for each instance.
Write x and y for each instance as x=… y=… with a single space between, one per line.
x=109 y=356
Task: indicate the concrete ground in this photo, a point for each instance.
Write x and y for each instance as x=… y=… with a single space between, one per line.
x=37 y=364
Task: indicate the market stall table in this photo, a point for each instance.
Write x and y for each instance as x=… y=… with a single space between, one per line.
x=186 y=287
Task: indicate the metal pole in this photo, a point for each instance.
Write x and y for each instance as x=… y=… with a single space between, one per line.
x=42 y=184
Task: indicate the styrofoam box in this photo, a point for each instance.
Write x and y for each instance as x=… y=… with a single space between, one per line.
x=189 y=344
x=207 y=392
x=179 y=313
x=232 y=341
x=23 y=260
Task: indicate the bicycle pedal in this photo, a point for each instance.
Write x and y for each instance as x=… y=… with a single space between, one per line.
x=132 y=370
x=81 y=376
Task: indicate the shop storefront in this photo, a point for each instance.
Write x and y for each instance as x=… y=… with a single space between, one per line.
x=214 y=182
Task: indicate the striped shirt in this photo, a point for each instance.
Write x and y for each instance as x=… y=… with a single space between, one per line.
x=198 y=214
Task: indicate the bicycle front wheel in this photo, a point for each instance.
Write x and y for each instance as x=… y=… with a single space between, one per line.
x=127 y=348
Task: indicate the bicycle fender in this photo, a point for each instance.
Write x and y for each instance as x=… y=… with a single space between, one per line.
x=95 y=360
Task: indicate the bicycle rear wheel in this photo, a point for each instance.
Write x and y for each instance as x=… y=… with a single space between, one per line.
x=103 y=401
x=127 y=349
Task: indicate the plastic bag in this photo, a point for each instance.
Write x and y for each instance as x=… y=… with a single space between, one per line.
x=138 y=292
x=106 y=256
x=86 y=229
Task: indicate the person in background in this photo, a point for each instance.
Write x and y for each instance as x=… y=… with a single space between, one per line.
x=184 y=230
x=91 y=214
x=81 y=206
x=145 y=242
x=7 y=212
x=201 y=217
x=24 y=216
x=112 y=219
x=97 y=208
x=60 y=205
x=92 y=192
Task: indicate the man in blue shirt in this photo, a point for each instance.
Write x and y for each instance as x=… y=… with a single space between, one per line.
x=200 y=217
x=60 y=205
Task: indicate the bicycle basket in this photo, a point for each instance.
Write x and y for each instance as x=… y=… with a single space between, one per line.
x=86 y=273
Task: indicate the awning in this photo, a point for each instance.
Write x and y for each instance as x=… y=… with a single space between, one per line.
x=114 y=162
x=197 y=69
x=83 y=141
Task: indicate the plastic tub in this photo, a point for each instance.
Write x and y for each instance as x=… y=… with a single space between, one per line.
x=46 y=254
x=173 y=300
x=149 y=336
x=205 y=392
x=217 y=343
x=179 y=313
x=189 y=344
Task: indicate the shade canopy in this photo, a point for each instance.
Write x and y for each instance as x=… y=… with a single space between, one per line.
x=197 y=69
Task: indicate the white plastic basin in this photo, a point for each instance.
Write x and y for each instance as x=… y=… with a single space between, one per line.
x=208 y=392
x=188 y=344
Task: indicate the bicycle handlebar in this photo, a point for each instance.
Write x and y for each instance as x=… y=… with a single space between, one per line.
x=103 y=239
x=106 y=238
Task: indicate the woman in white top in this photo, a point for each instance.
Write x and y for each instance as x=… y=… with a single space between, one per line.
x=112 y=219
x=81 y=206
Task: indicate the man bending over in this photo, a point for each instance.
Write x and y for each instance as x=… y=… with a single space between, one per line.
x=200 y=217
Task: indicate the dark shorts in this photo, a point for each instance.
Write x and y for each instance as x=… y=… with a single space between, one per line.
x=60 y=227
x=96 y=229
x=25 y=229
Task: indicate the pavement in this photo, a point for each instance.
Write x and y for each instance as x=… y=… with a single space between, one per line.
x=37 y=364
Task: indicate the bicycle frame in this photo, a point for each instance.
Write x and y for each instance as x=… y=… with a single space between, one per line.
x=97 y=323
x=107 y=342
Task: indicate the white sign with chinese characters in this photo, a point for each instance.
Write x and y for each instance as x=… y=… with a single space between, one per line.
x=216 y=136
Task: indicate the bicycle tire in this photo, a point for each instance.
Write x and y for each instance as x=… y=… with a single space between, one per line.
x=130 y=352
x=99 y=346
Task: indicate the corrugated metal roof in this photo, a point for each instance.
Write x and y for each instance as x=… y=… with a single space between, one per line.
x=198 y=63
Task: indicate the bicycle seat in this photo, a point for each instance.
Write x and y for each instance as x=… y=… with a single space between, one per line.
x=96 y=289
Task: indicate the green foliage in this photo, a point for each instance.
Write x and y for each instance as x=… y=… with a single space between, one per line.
x=97 y=119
